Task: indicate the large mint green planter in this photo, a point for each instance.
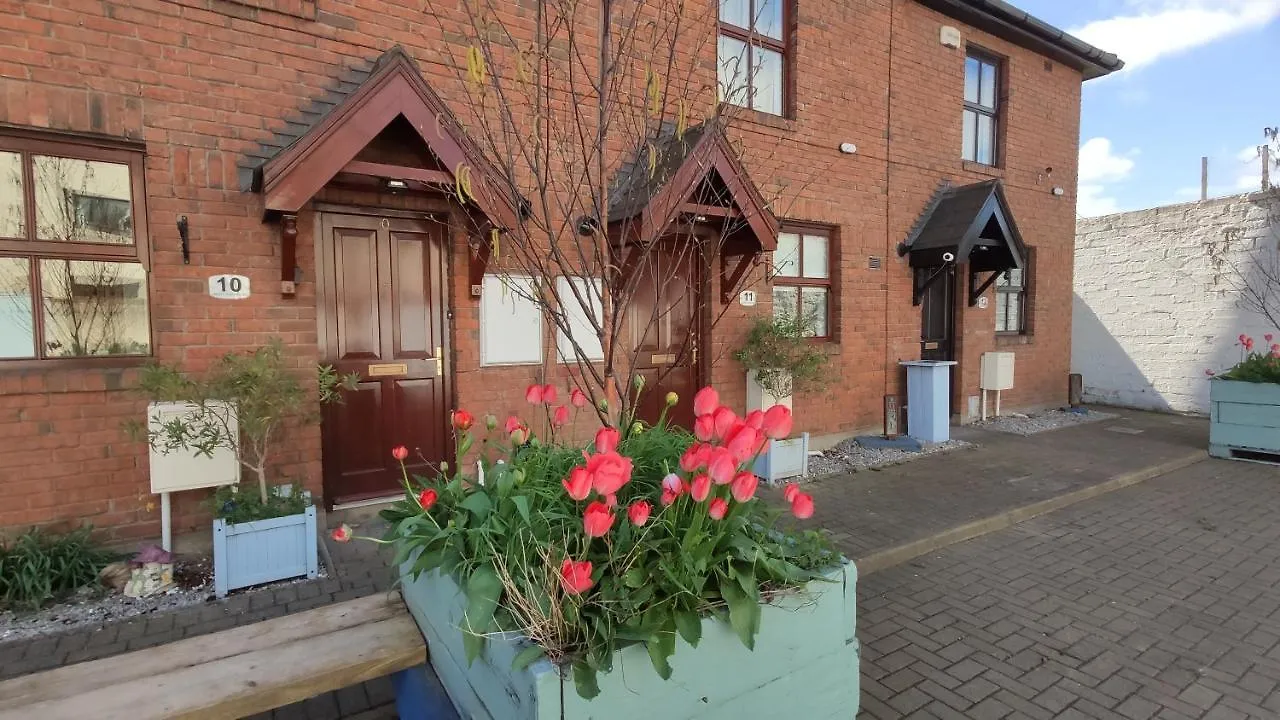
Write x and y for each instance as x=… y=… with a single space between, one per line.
x=805 y=664
x=1244 y=420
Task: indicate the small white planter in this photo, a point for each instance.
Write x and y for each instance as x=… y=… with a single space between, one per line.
x=262 y=551
x=784 y=459
x=760 y=399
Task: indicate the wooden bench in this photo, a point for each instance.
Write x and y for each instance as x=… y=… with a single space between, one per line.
x=242 y=671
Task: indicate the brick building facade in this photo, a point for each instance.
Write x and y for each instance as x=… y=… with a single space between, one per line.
x=200 y=97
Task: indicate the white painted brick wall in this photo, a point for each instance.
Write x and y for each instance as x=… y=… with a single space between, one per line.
x=1151 y=313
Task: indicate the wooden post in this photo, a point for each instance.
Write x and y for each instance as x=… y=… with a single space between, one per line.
x=1266 y=167
x=1204 y=177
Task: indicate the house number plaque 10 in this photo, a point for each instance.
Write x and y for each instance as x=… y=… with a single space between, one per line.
x=229 y=287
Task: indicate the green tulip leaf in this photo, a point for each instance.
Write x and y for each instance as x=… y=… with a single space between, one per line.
x=690 y=626
x=584 y=679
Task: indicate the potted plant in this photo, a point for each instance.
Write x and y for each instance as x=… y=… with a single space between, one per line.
x=781 y=359
x=241 y=405
x=543 y=592
x=1244 y=404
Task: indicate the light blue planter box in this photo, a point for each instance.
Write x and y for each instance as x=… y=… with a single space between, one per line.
x=262 y=551
x=784 y=459
x=805 y=664
x=929 y=400
x=1243 y=416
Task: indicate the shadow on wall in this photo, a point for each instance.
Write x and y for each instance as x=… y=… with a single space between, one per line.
x=1110 y=376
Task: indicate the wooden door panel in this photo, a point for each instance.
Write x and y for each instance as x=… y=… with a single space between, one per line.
x=361 y=449
x=355 y=261
x=416 y=429
x=411 y=321
x=662 y=324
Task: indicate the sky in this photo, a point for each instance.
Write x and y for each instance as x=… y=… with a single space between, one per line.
x=1202 y=77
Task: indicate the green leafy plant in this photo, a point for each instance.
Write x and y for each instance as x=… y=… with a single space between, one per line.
x=234 y=506
x=1260 y=366
x=241 y=404
x=783 y=356
x=629 y=541
x=38 y=568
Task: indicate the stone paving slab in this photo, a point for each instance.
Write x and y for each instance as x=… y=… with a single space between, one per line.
x=1161 y=600
x=876 y=510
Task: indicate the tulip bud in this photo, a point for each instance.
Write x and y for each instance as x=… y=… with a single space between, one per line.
x=490 y=422
x=638 y=381
x=637 y=427
x=672 y=399
x=444 y=466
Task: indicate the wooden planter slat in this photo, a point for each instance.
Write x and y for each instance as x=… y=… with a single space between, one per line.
x=262 y=551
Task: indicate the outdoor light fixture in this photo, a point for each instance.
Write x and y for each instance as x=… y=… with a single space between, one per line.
x=397 y=185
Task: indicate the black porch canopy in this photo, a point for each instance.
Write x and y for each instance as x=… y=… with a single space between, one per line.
x=967 y=224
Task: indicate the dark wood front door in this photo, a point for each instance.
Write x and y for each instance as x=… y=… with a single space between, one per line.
x=937 y=315
x=662 y=323
x=383 y=307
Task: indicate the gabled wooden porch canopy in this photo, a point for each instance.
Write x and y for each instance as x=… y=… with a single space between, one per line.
x=967 y=224
x=695 y=177
x=391 y=130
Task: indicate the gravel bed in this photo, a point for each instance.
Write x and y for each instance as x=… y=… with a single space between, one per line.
x=849 y=456
x=95 y=606
x=1019 y=424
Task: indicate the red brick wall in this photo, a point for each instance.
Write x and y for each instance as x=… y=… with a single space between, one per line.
x=201 y=82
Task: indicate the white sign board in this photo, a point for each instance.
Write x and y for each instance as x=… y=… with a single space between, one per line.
x=229 y=287
x=982 y=303
x=178 y=469
x=747 y=298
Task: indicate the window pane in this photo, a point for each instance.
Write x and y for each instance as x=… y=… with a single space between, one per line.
x=786 y=259
x=970 y=135
x=17 y=329
x=82 y=200
x=815 y=257
x=785 y=302
x=814 y=307
x=769 y=18
x=767 y=81
x=1015 y=277
x=972 y=72
x=12 y=218
x=94 y=308
x=733 y=71
x=986 y=138
x=1014 y=322
x=988 y=95
x=736 y=12
x=1002 y=310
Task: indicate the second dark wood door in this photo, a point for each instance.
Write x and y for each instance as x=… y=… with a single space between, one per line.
x=662 y=322
x=384 y=302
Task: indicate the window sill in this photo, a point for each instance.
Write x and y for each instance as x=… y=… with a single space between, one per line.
x=126 y=362
x=1008 y=339
x=979 y=168
x=758 y=117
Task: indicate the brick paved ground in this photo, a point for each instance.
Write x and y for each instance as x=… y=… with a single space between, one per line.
x=1161 y=600
x=870 y=511
x=359 y=570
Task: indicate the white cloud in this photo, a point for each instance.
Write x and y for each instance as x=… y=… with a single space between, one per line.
x=1099 y=168
x=1160 y=28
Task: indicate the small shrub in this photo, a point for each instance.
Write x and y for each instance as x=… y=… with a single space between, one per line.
x=236 y=507
x=38 y=568
x=786 y=361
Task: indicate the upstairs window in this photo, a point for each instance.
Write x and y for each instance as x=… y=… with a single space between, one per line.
x=752 y=54
x=981 y=109
x=802 y=280
x=73 y=276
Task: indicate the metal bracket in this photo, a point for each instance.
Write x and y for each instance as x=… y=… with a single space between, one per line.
x=731 y=279
x=976 y=292
x=918 y=288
